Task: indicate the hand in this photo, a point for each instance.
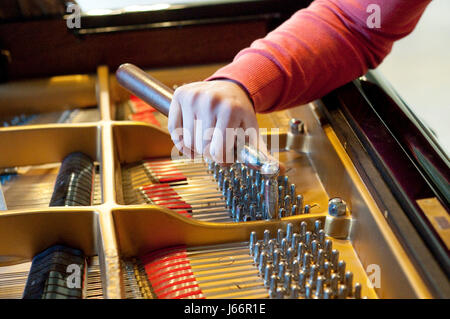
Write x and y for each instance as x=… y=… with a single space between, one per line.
x=200 y=114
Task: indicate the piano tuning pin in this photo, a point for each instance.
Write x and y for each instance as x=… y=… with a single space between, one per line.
x=246 y=202
x=229 y=198
x=289 y=232
x=287 y=203
x=236 y=184
x=271 y=247
x=276 y=258
x=268 y=274
x=295 y=270
x=341 y=271
x=273 y=283
x=302 y=283
x=334 y=259
x=314 y=249
x=307 y=209
x=244 y=173
x=334 y=283
x=266 y=237
x=256 y=252
x=285 y=184
x=308 y=291
x=342 y=292
x=313 y=276
x=271 y=199
x=257 y=179
x=357 y=291
x=280 y=195
x=293 y=191
x=320 y=260
x=319 y=287
x=306 y=264
x=287 y=281
x=252 y=242
x=216 y=171
x=234 y=205
x=242 y=192
x=290 y=257
x=301 y=250
x=225 y=185
x=254 y=192
x=294 y=294
x=294 y=210
x=252 y=211
x=327 y=272
x=280 y=235
x=295 y=240
x=321 y=238
x=284 y=246
x=239 y=213
x=317 y=226
x=258 y=201
x=327 y=293
x=308 y=240
x=220 y=178
x=299 y=203
x=231 y=173
x=303 y=229
x=262 y=187
x=262 y=262
x=349 y=283
x=281 y=271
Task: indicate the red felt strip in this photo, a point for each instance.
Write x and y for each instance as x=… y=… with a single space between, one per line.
x=180 y=206
x=169 y=268
x=173 y=179
x=152 y=187
x=154 y=276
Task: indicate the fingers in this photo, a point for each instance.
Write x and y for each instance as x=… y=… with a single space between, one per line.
x=204 y=133
x=204 y=111
x=223 y=140
x=175 y=124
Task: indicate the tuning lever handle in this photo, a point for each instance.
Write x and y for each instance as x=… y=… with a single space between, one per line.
x=145 y=87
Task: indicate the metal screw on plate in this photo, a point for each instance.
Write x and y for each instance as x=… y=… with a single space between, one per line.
x=296 y=126
x=296 y=135
x=337 y=207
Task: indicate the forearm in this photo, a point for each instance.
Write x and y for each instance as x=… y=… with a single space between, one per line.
x=318 y=49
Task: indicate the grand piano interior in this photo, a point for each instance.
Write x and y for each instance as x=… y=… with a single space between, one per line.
x=87 y=177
